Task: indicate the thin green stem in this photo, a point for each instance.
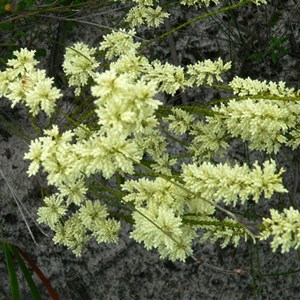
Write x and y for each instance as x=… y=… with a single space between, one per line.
x=173 y=138
x=209 y=223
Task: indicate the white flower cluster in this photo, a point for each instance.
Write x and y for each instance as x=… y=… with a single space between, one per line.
x=144 y=14
x=157 y=215
x=119 y=43
x=124 y=106
x=168 y=217
x=161 y=205
x=169 y=209
x=22 y=82
x=67 y=158
x=79 y=65
x=264 y=123
x=180 y=121
x=89 y=221
x=153 y=143
x=168 y=78
x=154 y=193
x=210 y=139
x=66 y=161
x=131 y=64
x=55 y=154
x=284 y=228
x=205 y=71
x=53 y=210
x=126 y=110
x=223 y=182
x=160 y=228
x=150 y=13
x=250 y=87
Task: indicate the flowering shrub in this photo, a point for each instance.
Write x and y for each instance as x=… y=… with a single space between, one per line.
x=168 y=199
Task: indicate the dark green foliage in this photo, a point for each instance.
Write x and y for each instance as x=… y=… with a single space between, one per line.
x=16 y=261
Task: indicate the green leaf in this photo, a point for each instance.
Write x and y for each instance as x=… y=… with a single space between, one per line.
x=52 y=292
x=13 y=281
x=34 y=290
